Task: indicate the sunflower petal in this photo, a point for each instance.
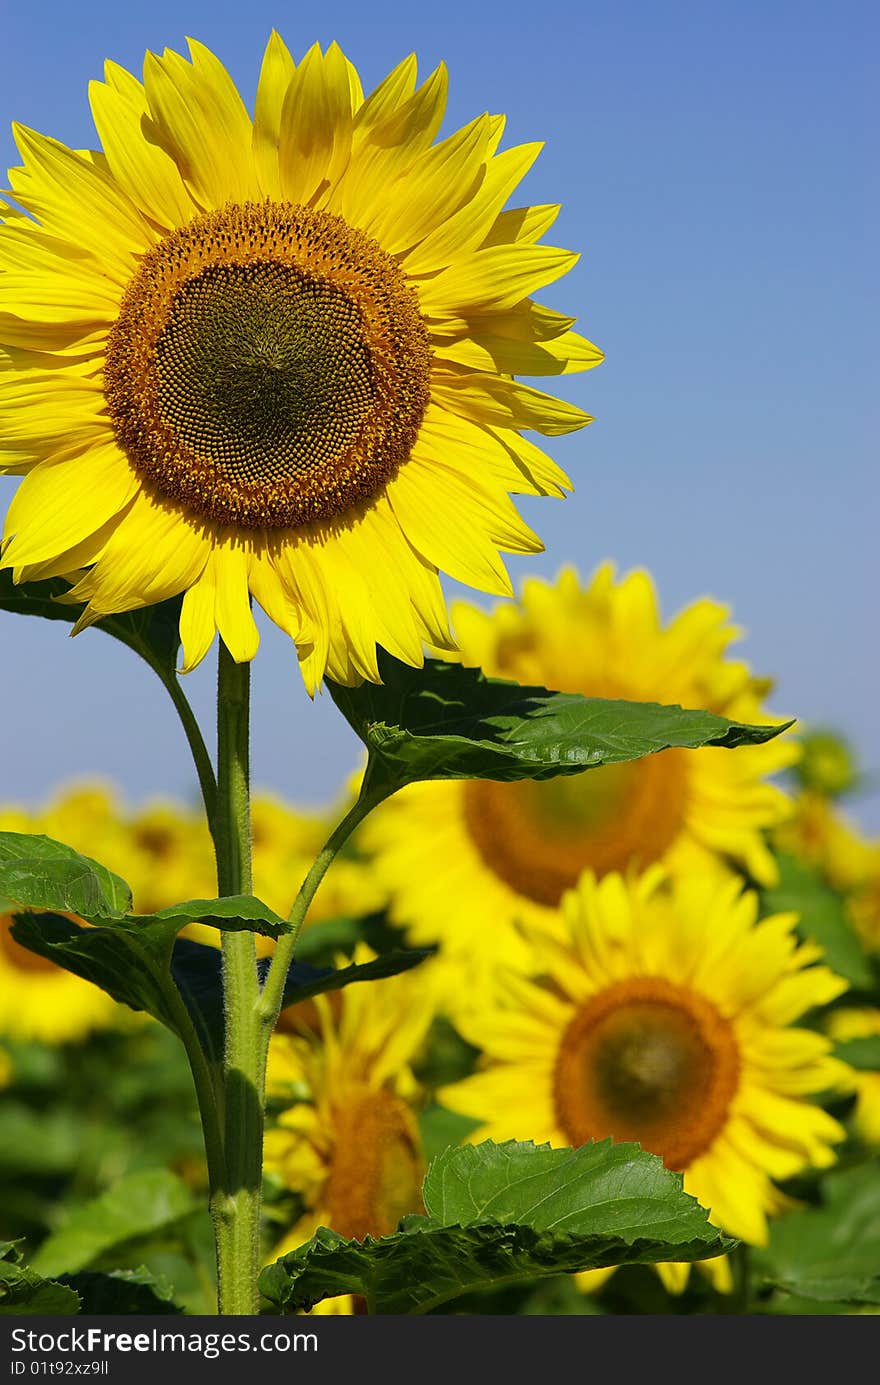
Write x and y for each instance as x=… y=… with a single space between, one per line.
x=275 y=78
x=497 y=402
x=199 y=119
x=316 y=125
x=62 y=502
x=148 y=174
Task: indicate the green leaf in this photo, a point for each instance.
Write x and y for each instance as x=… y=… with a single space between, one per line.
x=131 y=958
x=153 y=632
x=823 y=918
x=37 y=872
x=144 y=1204
x=122 y=1291
x=22 y=1290
x=449 y=722
x=37 y=1141
x=863 y=1054
x=830 y=1254
x=196 y=970
x=502 y=1214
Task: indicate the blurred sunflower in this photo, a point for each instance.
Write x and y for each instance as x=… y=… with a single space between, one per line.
x=846 y=1024
x=665 y=1015
x=462 y=860
x=821 y=835
x=349 y=1142
x=286 y=841
x=275 y=357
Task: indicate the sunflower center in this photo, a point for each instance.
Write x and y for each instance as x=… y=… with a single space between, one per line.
x=376 y=1173
x=650 y=1061
x=18 y=957
x=539 y=836
x=269 y=366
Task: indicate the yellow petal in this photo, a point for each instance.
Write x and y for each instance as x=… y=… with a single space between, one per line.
x=198 y=624
x=69 y=339
x=199 y=119
x=538 y=469
x=60 y=503
x=463 y=231
x=153 y=553
x=518 y=466
x=383 y=148
x=451 y=524
x=393 y=92
x=269 y=591
x=563 y=355
x=144 y=170
x=522 y=225
x=86 y=301
x=78 y=202
x=316 y=125
x=275 y=77
x=436 y=185
x=232 y=606
x=494 y=279
x=497 y=402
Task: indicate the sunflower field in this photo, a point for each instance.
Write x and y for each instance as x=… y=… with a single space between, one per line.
x=569 y=1004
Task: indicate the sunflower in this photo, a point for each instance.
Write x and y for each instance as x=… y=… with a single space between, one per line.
x=275 y=357
x=846 y=1024
x=825 y=838
x=664 y=1014
x=349 y=1143
x=463 y=860
x=286 y=841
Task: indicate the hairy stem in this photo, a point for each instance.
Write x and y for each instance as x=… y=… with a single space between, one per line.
x=273 y=990
x=198 y=749
x=236 y=1213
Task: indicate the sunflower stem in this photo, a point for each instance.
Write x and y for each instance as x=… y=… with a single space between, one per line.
x=236 y=1211
x=198 y=749
x=273 y=990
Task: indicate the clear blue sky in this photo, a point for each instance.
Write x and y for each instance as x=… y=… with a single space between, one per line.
x=714 y=163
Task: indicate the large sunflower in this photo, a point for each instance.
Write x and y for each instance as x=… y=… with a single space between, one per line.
x=665 y=1016
x=274 y=357
x=464 y=860
x=349 y=1143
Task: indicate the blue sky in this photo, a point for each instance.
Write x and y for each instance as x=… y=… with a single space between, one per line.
x=713 y=161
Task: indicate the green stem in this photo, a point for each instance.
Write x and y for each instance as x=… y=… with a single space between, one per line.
x=273 y=989
x=236 y=1213
x=740 y=1263
x=201 y=758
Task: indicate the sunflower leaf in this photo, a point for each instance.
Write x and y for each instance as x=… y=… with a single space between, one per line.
x=500 y=1214
x=142 y=1205
x=128 y=955
x=37 y=872
x=22 y=1290
x=445 y=721
x=829 y=1254
x=121 y=1291
x=822 y=918
x=152 y=632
